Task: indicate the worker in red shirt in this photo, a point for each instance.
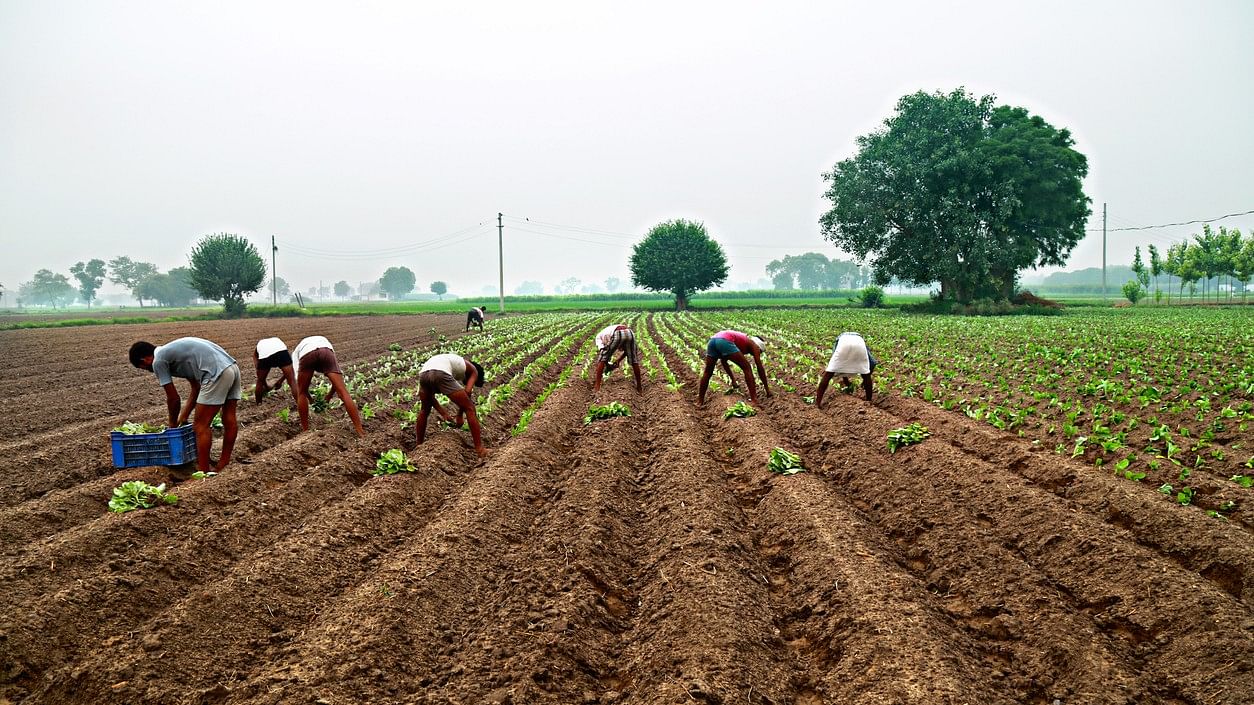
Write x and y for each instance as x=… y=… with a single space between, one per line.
x=735 y=346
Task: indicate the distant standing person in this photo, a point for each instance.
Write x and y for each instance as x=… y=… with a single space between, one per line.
x=620 y=339
x=850 y=356
x=315 y=354
x=450 y=374
x=215 y=386
x=474 y=317
x=734 y=345
x=271 y=353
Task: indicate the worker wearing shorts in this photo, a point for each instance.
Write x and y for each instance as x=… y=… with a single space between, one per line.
x=734 y=346
x=619 y=339
x=450 y=374
x=315 y=354
x=215 y=387
x=271 y=353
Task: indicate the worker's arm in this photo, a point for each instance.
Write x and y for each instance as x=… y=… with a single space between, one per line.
x=191 y=402
x=172 y=404
x=823 y=382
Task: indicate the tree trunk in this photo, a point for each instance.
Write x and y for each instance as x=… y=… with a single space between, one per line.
x=681 y=300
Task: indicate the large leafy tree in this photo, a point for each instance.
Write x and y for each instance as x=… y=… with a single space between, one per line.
x=397 y=281
x=90 y=276
x=342 y=289
x=130 y=274
x=680 y=257
x=226 y=268
x=48 y=288
x=439 y=289
x=957 y=191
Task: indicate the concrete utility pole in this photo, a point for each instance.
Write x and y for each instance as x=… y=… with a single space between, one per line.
x=500 y=254
x=274 y=279
x=1105 y=296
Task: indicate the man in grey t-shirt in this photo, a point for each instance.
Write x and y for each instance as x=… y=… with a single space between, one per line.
x=215 y=386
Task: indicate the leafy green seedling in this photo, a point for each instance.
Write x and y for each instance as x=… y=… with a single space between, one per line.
x=395 y=347
x=217 y=421
x=391 y=462
x=740 y=409
x=907 y=435
x=138 y=494
x=1185 y=496
x=1166 y=489
x=607 y=411
x=808 y=400
x=785 y=463
x=1243 y=480
x=131 y=428
x=320 y=398
x=201 y=475
x=284 y=415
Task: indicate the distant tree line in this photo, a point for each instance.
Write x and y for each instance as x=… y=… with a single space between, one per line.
x=814 y=271
x=143 y=279
x=1214 y=258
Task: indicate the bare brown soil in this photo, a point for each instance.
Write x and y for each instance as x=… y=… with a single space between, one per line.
x=646 y=559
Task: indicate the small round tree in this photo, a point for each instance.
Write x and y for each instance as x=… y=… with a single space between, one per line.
x=342 y=288
x=397 y=281
x=439 y=289
x=226 y=267
x=678 y=256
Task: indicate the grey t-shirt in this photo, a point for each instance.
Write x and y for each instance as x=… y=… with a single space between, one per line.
x=190 y=358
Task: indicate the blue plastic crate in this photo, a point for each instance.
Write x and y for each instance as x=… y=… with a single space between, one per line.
x=173 y=446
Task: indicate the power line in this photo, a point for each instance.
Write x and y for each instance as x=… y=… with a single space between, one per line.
x=391 y=252
x=1172 y=225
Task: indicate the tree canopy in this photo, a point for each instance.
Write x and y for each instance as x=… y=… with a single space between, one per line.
x=170 y=289
x=342 y=288
x=397 y=281
x=814 y=270
x=47 y=288
x=680 y=257
x=130 y=274
x=226 y=268
x=90 y=276
x=439 y=288
x=956 y=191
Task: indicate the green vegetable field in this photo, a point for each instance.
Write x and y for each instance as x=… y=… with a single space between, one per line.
x=1030 y=510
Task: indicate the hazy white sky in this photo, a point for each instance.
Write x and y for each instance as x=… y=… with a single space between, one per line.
x=356 y=132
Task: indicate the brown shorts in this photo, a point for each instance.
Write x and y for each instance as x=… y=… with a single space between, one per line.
x=439 y=381
x=321 y=360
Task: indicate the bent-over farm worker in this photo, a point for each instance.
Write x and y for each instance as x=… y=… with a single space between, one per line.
x=450 y=374
x=734 y=345
x=215 y=386
x=271 y=353
x=474 y=317
x=620 y=339
x=315 y=354
x=850 y=356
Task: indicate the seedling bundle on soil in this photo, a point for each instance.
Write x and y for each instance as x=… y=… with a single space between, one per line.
x=138 y=494
x=391 y=462
x=608 y=411
x=785 y=463
x=907 y=435
x=740 y=409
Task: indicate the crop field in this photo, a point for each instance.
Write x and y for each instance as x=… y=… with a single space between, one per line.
x=1075 y=529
